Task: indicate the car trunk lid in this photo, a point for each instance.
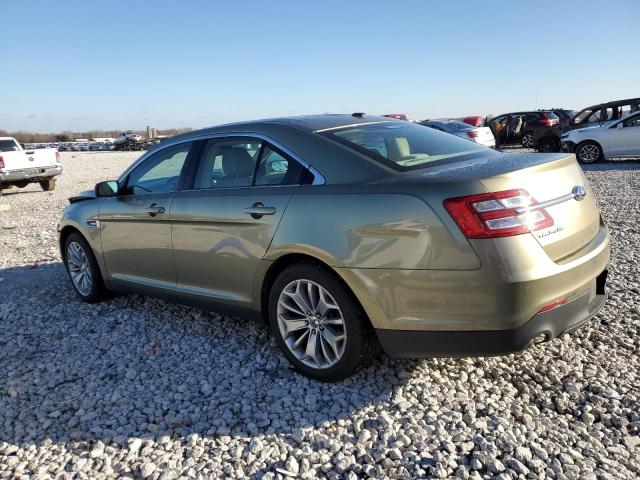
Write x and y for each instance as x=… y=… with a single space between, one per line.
x=562 y=188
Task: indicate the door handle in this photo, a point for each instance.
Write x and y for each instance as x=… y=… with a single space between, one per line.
x=257 y=210
x=154 y=209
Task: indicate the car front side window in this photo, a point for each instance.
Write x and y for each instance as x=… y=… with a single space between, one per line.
x=160 y=173
x=632 y=122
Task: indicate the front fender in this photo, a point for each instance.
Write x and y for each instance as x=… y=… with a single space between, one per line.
x=80 y=217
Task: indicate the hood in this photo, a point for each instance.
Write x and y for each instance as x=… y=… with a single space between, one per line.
x=86 y=195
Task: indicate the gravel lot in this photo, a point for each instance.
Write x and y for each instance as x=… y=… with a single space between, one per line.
x=138 y=388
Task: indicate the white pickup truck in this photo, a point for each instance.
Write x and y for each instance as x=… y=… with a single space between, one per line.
x=21 y=167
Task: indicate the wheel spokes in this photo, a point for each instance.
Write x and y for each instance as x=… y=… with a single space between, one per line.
x=311 y=324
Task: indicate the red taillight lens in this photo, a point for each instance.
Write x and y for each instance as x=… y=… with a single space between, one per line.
x=58 y=157
x=499 y=214
x=1 y=162
x=548 y=122
x=472 y=134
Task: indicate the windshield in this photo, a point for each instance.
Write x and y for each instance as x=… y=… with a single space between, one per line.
x=8 y=146
x=406 y=146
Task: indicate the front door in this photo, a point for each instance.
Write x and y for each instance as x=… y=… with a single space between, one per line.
x=223 y=226
x=135 y=228
x=624 y=141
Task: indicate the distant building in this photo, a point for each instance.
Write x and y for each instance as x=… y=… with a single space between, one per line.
x=81 y=140
x=103 y=139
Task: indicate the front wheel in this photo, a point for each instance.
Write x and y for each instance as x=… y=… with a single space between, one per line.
x=528 y=140
x=548 y=144
x=48 y=184
x=589 y=152
x=83 y=269
x=318 y=325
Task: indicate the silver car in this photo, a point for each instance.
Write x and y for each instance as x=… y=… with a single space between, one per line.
x=482 y=135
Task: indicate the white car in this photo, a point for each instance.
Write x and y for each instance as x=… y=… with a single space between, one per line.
x=20 y=167
x=612 y=139
x=127 y=137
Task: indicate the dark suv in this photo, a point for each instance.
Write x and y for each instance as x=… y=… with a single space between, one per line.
x=563 y=114
x=539 y=129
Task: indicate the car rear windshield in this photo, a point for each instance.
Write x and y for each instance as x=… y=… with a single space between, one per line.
x=8 y=146
x=406 y=146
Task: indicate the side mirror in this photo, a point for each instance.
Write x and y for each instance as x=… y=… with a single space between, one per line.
x=110 y=188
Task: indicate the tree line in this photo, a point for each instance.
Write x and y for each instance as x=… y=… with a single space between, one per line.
x=69 y=136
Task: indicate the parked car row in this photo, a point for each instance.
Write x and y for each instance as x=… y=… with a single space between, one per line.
x=549 y=130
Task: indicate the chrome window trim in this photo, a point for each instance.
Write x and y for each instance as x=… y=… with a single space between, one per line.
x=361 y=124
x=318 y=177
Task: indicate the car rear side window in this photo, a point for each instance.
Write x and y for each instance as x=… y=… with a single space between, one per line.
x=8 y=146
x=406 y=146
x=276 y=168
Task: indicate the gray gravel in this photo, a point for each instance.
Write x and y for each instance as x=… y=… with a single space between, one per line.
x=138 y=388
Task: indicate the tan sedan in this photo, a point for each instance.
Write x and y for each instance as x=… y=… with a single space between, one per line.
x=349 y=232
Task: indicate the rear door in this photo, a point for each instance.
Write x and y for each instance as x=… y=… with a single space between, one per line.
x=223 y=225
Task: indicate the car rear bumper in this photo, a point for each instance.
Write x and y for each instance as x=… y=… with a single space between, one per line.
x=31 y=174
x=544 y=326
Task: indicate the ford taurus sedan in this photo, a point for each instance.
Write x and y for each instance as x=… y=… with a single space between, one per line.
x=346 y=233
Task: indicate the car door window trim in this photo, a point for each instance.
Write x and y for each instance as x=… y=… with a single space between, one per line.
x=319 y=179
x=266 y=141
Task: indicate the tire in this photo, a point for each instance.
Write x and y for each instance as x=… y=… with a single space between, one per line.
x=48 y=185
x=528 y=141
x=21 y=184
x=73 y=245
x=358 y=345
x=588 y=152
x=548 y=144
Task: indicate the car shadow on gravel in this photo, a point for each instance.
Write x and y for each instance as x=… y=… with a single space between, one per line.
x=134 y=367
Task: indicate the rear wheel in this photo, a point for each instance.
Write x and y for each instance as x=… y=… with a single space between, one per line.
x=48 y=184
x=528 y=140
x=318 y=325
x=589 y=152
x=83 y=269
x=548 y=144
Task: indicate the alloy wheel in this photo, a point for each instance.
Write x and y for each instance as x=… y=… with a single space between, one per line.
x=589 y=153
x=79 y=268
x=311 y=324
x=527 y=141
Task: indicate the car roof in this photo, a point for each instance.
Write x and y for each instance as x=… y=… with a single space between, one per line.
x=310 y=123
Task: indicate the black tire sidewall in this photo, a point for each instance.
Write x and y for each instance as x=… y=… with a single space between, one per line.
x=97 y=285
x=351 y=311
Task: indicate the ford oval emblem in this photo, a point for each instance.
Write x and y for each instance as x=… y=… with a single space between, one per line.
x=579 y=193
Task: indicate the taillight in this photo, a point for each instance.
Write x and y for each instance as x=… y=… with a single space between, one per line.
x=58 y=157
x=548 y=122
x=472 y=133
x=1 y=162
x=499 y=214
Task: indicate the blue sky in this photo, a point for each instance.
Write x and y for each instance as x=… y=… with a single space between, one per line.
x=126 y=64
